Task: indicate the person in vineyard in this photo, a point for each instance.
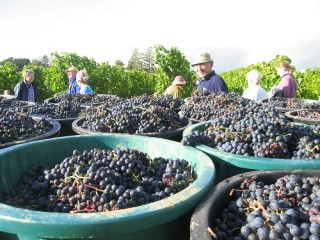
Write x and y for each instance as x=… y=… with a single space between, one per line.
x=27 y=89
x=288 y=85
x=175 y=88
x=209 y=80
x=73 y=86
x=254 y=91
x=82 y=80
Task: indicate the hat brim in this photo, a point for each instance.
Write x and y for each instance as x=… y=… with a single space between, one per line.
x=179 y=83
x=70 y=70
x=198 y=63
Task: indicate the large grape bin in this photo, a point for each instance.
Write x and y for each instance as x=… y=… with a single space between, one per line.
x=206 y=223
x=229 y=164
x=167 y=218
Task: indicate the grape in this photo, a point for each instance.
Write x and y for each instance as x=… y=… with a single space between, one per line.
x=95 y=181
x=16 y=126
x=244 y=127
x=284 y=217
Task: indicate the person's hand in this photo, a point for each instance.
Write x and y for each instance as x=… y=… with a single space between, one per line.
x=273 y=91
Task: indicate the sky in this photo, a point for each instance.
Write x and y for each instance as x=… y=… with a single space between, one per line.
x=235 y=32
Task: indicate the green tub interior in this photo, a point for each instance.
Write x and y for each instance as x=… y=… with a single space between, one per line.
x=165 y=219
x=228 y=164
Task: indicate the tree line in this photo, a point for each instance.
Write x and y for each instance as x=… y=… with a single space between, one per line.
x=146 y=73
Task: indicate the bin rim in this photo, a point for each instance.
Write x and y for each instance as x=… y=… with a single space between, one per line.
x=170 y=206
x=79 y=130
x=55 y=131
x=284 y=109
x=202 y=214
x=251 y=162
x=293 y=116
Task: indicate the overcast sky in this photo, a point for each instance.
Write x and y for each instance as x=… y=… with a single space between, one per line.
x=235 y=32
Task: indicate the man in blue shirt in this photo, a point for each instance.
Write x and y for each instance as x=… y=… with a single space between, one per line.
x=73 y=86
x=209 y=80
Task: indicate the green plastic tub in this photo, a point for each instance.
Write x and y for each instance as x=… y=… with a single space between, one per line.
x=228 y=164
x=168 y=218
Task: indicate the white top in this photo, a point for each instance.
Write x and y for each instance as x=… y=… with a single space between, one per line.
x=256 y=93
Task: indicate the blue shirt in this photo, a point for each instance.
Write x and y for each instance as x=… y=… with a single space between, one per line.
x=86 y=89
x=213 y=82
x=74 y=87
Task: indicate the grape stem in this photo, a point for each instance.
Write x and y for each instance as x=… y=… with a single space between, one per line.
x=211 y=232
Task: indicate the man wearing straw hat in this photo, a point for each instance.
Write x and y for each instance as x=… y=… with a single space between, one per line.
x=175 y=88
x=209 y=80
x=73 y=86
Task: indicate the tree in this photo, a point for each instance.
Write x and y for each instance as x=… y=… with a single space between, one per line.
x=136 y=60
x=149 y=60
x=9 y=76
x=20 y=62
x=119 y=63
x=170 y=63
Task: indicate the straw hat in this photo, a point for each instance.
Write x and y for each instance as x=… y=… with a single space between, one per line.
x=202 y=58
x=179 y=81
x=72 y=68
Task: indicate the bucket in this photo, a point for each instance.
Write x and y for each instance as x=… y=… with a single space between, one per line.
x=209 y=208
x=168 y=218
x=229 y=164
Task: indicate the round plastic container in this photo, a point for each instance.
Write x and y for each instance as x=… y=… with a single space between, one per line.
x=228 y=164
x=54 y=132
x=168 y=218
x=293 y=116
x=219 y=196
x=172 y=135
x=298 y=101
x=5 y=97
x=66 y=126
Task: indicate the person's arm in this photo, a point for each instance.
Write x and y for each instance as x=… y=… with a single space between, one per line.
x=17 y=89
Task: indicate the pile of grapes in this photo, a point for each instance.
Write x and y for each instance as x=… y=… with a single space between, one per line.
x=111 y=101
x=100 y=180
x=13 y=104
x=166 y=101
x=248 y=128
x=17 y=126
x=308 y=114
x=204 y=105
x=293 y=103
x=62 y=110
x=86 y=99
x=132 y=120
x=288 y=208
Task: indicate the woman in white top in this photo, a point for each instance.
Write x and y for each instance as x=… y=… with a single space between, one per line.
x=82 y=78
x=254 y=91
